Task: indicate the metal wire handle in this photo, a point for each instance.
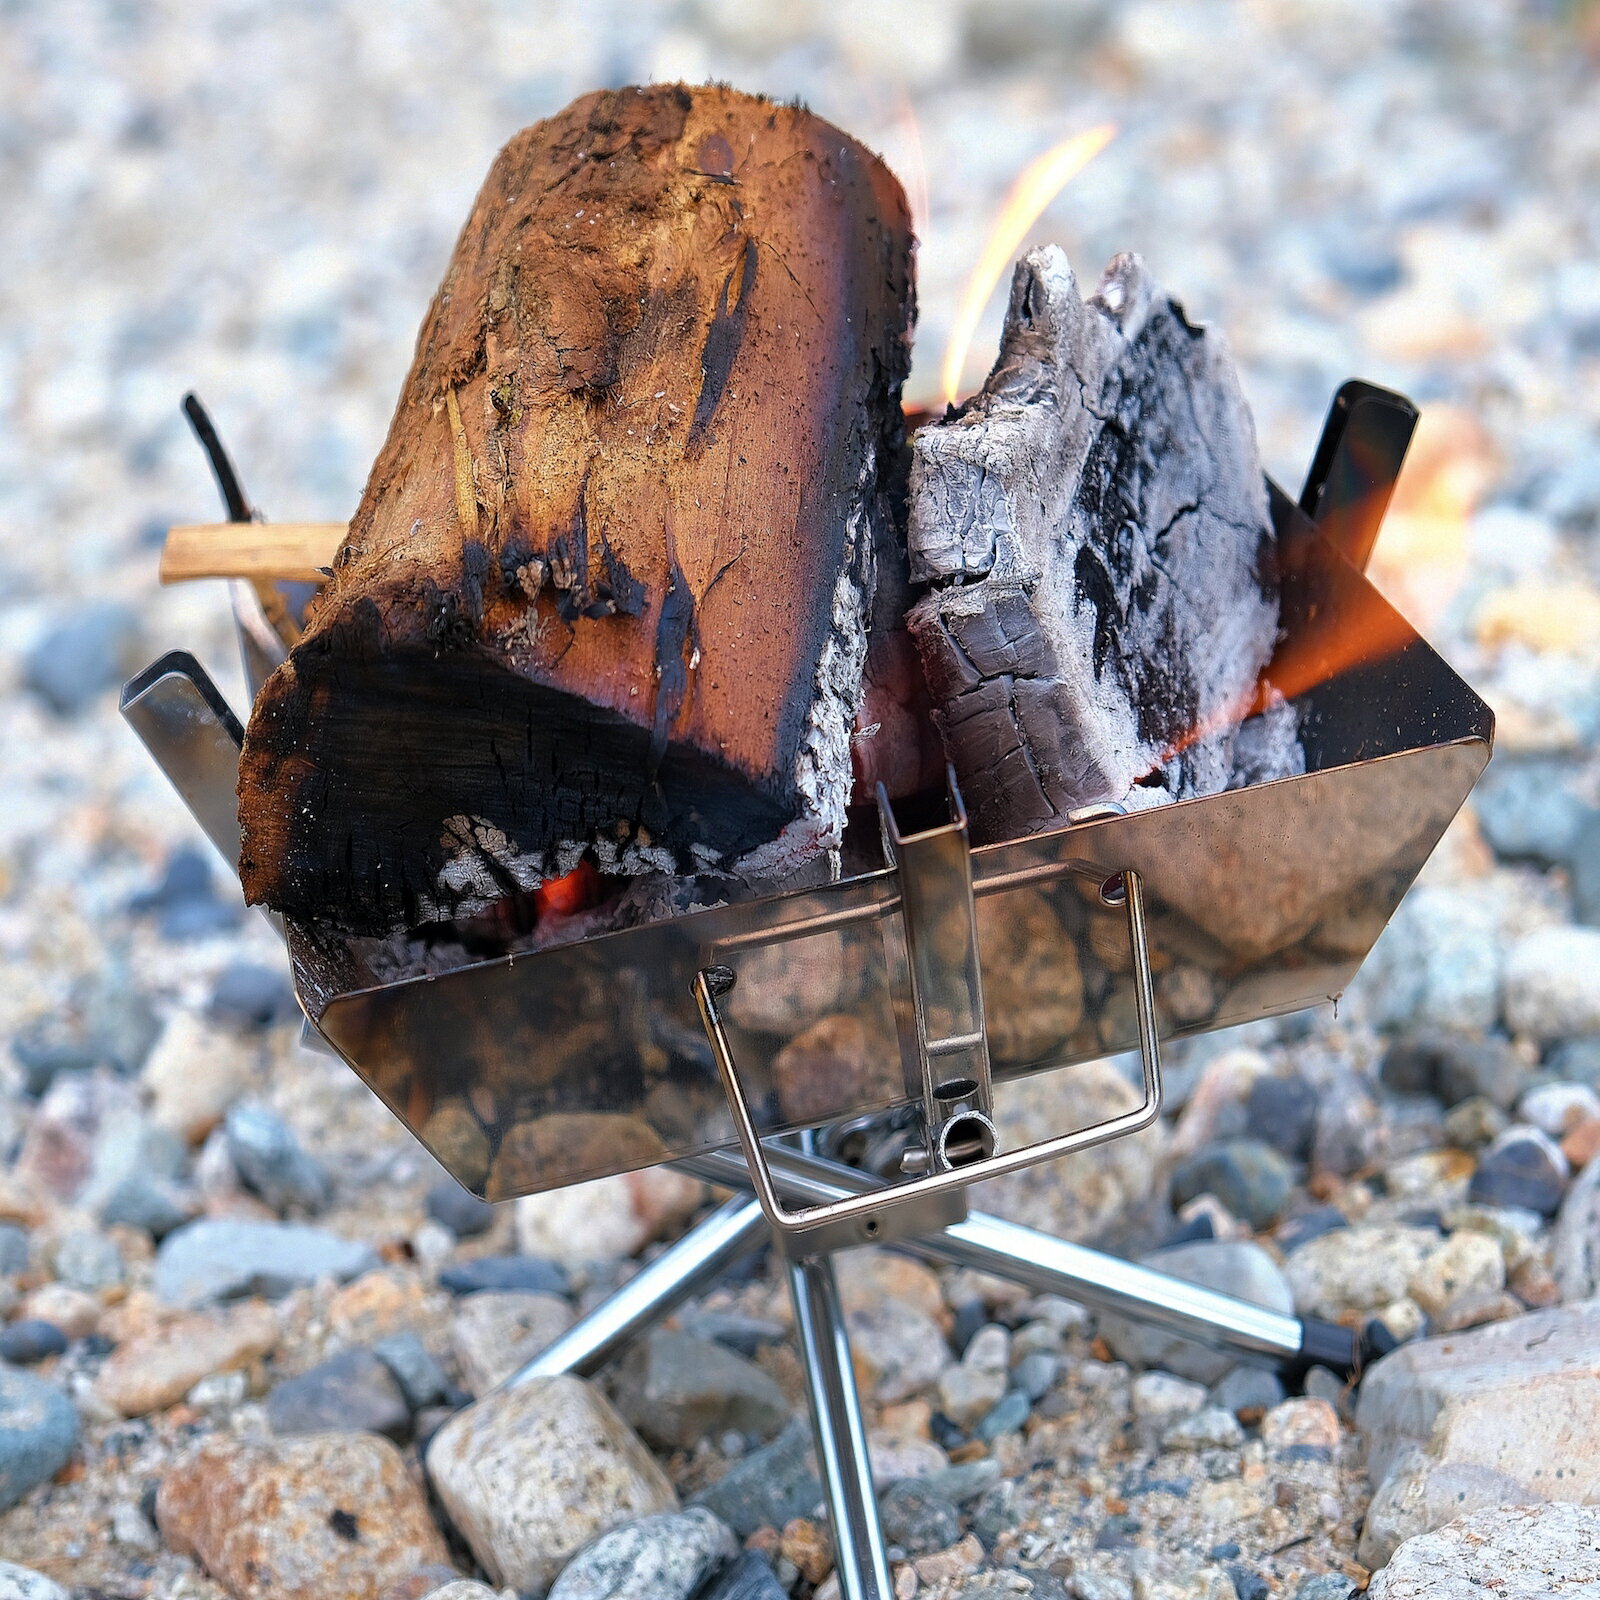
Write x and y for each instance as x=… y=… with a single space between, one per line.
x=712 y=983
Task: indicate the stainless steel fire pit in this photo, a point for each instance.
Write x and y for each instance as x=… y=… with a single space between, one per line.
x=669 y=1041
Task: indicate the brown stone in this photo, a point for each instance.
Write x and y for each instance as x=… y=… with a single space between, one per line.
x=835 y=1066
x=159 y=1367
x=331 y=1516
x=1033 y=985
x=807 y=1545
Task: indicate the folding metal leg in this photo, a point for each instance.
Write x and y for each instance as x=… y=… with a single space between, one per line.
x=1048 y=1265
x=695 y=1262
x=841 y=1436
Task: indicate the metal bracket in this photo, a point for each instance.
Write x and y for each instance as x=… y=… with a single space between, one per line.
x=946 y=997
x=944 y=1043
x=1358 y=461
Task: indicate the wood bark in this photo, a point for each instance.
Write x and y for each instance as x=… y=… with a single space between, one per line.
x=607 y=589
x=1094 y=526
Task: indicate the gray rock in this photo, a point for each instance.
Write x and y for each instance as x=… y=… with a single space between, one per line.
x=1437 y=964
x=43 y=1058
x=1248 y=1391
x=898 y=1349
x=86 y=1259
x=23 y=1583
x=1454 y=1066
x=1584 y=868
x=1556 y=1108
x=496 y=1332
x=1575 y=1242
x=461 y=1211
x=1036 y=1373
x=1325 y=1586
x=676 y=1390
x=38 y=1433
x=1231 y=1266
x=352 y=1390
x=1282 y=1111
x=531 y=1475
x=1530 y=810
x=748 y=1578
x=421 y=1378
x=1551 y=992
x=1477 y=1121
x=530 y=1274
x=1527 y=1552
x=1523 y=1167
x=768 y=1487
x=1008 y=1416
x=216 y=1259
x=1502 y=1413
x=1576 y=1060
x=964 y=1481
x=185 y=902
x=665 y=1557
x=13 y=1249
x=1361 y=1269
x=73 y=663
x=267 y=1156
x=1212 y=1427
x=29 y=1340
x=1159 y=1400
x=147 y=1200
x=1350 y=1133
x=248 y=995
x=744 y=1334
x=917 y=1518
x=1250 y=1178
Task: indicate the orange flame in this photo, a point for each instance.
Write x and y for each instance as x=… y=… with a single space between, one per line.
x=1418 y=560
x=1040 y=182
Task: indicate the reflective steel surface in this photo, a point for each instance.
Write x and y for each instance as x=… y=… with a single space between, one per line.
x=534 y=1071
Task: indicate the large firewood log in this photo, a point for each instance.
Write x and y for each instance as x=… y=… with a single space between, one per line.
x=1094 y=526
x=608 y=585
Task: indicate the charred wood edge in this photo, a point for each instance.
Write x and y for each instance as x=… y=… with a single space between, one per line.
x=268 y=596
x=233 y=496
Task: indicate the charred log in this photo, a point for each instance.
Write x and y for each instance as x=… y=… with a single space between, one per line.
x=1095 y=528
x=607 y=590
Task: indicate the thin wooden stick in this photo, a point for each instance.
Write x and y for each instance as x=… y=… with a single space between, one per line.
x=288 y=552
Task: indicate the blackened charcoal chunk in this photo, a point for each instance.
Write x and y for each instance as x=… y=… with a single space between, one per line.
x=1094 y=525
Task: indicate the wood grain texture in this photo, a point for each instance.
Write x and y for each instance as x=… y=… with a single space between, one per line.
x=285 y=552
x=1094 y=526
x=607 y=587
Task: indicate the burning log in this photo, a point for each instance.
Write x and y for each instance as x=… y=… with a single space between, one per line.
x=1095 y=528
x=606 y=593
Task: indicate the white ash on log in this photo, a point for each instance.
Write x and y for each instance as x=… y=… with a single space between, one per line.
x=1095 y=528
x=607 y=590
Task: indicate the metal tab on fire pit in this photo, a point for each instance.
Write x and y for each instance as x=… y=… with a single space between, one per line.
x=935 y=904
x=943 y=1041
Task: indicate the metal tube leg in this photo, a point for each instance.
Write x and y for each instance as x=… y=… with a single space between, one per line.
x=735 y=1229
x=858 y=1551
x=1054 y=1266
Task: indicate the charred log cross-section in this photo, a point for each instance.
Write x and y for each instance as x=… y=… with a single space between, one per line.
x=607 y=589
x=1095 y=528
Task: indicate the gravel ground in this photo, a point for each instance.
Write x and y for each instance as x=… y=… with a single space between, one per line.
x=256 y=202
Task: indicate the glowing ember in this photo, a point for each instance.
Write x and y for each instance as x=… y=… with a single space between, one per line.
x=1041 y=181
x=563 y=897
